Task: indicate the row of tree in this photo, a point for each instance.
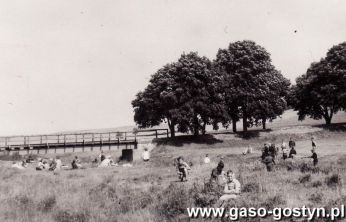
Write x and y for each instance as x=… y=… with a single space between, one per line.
x=241 y=83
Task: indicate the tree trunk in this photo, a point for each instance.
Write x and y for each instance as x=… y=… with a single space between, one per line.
x=172 y=129
x=203 y=128
x=171 y=126
x=195 y=126
x=234 y=125
x=264 y=123
x=328 y=120
x=328 y=117
x=244 y=122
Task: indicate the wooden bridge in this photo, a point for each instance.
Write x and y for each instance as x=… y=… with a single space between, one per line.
x=74 y=140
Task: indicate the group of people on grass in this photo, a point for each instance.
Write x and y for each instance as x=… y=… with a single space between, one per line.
x=270 y=153
x=231 y=186
x=55 y=164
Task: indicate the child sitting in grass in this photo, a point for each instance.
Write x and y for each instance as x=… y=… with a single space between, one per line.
x=231 y=190
x=182 y=168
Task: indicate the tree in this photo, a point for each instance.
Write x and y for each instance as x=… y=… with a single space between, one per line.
x=200 y=99
x=251 y=84
x=184 y=94
x=273 y=104
x=319 y=93
x=158 y=102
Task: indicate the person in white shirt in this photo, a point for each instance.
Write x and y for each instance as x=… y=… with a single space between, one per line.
x=146 y=154
x=58 y=163
x=232 y=188
x=206 y=159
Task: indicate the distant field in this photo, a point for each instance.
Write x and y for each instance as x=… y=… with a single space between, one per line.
x=151 y=192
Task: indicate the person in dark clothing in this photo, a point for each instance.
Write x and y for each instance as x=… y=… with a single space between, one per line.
x=76 y=163
x=313 y=144
x=291 y=143
x=265 y=152
x=272 y=150
x=292 y=153
x=217 y=174
x=269 y=162
x=314 y=157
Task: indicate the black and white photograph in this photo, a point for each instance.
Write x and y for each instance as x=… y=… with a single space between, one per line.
x=172 y=110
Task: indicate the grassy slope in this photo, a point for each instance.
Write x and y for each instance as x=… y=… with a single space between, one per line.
x=151 y=192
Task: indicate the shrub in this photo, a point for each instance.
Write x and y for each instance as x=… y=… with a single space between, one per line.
x=70 y=216
x=174 y=202
x=305 y=178
x=47 y=203
x=206 y=194
x=316 y=197
x=334 y=180
x=274 y=201
x=251 y=187
x=306 y=168
x=316 y=184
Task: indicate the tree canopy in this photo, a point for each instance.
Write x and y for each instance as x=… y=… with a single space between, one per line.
x=183 y=94
x=252 y=87
x=321 y=91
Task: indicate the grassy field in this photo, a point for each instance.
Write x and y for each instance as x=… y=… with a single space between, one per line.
x=151 y=191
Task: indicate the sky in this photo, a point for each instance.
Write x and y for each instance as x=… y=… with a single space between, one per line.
x=78 y=64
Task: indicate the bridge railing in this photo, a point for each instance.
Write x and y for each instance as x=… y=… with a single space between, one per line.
x=80 y=138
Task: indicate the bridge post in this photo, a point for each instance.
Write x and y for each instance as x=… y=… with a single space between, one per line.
x=125 y=136
x=92 y=141
x=167 y=133
x=6 y=141
x=100 y=141
x=156 y=133
x=83 y=142
x=109 y=141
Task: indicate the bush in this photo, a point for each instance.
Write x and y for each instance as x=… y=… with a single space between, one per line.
x=306 y=168
x=334 y=180
x=251 y=187
x=316 y=184
x=274 y=201
x=69 y=216
x=305 y=178
x=316 y=197
x=47 y=203
x=205 y=195
x=174 y=202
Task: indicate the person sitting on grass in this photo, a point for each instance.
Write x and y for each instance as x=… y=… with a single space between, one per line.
x=20 y=165
x=146 y=155
x=206 y=159
x=40 y=165
x=102 y=156
x=291 y=143
x=58 y=163
x=232 y=188
x=292 y=153
x=284 y=151
x=76 y=163
x=314 y=157
x=183 y=167
x=218 y=175
x=269 y=162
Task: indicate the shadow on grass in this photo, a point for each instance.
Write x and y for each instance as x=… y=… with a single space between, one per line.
x=187 y=139
x=334 y=127
x=250 y=134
